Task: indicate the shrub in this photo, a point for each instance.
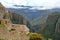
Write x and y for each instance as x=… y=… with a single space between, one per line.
x=36 y=36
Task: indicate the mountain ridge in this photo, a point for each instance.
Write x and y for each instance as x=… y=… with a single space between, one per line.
x=33 y=15
x=51 y=28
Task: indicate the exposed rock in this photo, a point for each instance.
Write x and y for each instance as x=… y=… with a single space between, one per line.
x=57 y=30
x=16 y=31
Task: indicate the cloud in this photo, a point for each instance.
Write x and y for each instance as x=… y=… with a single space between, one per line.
x=46 y=3
x=21 y=2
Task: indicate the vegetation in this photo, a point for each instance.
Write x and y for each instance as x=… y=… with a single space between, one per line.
x=11 y=30
x=36 y=36
x=52 y=26
x=2 y=25
x=18 y=19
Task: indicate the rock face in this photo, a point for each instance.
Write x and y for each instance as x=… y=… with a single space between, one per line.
x=18 y=19
x=19 y=28
x=4 y=15
x=58 y=26
x=52 y=26
x=14 y=32
x=10 y=31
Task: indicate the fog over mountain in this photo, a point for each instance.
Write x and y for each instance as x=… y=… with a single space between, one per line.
x=47 y=4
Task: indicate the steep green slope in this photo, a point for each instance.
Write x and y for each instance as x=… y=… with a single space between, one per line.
x=51 y=27
x=18 y=19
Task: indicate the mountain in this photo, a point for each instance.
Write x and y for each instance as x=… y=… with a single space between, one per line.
x=12 y=26
x=13 y=17
x=46 y=22
x=35 y=17
x=30 y=15
x=51 y=28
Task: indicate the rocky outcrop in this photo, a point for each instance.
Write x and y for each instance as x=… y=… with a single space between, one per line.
x=12 y=26
x=57 y=30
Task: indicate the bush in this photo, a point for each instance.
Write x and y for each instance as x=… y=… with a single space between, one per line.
x=35 y=36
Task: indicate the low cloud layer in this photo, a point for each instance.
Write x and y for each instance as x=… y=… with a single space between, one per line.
x=47 y=4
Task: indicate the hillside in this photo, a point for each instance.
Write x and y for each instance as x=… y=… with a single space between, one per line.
x=51 y=28
x=34 y=16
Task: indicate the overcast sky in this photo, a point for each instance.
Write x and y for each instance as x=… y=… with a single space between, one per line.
x=45 y=3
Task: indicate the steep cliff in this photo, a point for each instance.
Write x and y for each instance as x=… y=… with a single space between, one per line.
x=51 y=27
x=15 y=18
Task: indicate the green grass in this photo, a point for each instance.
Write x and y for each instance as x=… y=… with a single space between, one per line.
x=2 y=25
